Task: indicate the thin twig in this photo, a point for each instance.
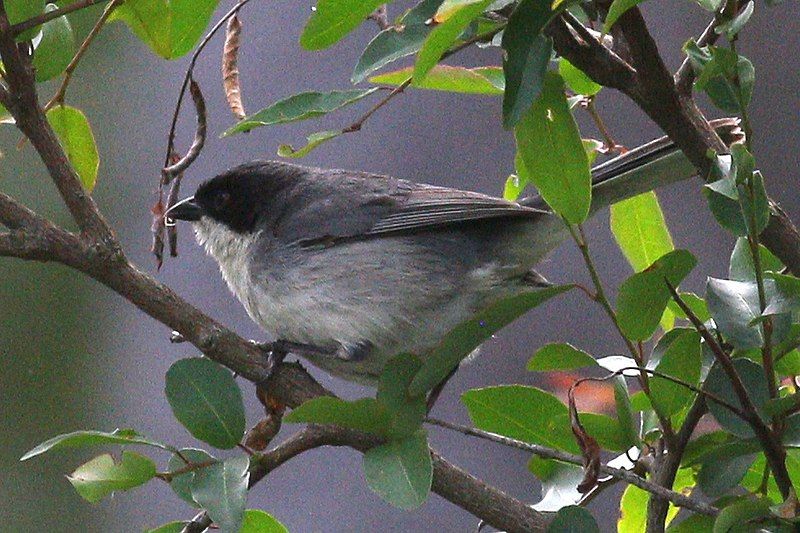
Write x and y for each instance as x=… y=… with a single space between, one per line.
x=58 y=98
x=199 y=137
x=190 y=70
x=610 y=144
x=678 y=499
x=20 y=27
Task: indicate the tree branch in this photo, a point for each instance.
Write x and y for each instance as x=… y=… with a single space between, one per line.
x=16 y=29
x=22 y=102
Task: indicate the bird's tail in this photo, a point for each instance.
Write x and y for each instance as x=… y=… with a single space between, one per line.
x=643 y=169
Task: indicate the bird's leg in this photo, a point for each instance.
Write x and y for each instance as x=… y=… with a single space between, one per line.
x=433 y=395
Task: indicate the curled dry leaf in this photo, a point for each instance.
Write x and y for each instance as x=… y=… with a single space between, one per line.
x=201 y=132
x=230 y=67
x=588 y=445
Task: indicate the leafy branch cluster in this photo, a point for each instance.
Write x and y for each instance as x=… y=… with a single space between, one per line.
x=731 y=353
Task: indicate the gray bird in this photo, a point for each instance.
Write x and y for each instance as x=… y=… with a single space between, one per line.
x=364 y=267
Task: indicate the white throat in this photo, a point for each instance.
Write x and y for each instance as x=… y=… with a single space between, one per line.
x=231 y=250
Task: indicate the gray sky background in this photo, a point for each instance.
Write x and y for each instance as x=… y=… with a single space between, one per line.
x=77 y=356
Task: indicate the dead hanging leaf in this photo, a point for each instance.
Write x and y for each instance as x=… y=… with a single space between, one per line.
x=588 y=445
x=157 y=227
x=230 y=67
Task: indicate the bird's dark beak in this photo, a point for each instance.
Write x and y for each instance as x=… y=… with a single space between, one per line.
x=186 y=209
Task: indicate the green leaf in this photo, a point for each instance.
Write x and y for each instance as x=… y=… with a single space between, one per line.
x=400 y=40
x=696 y=304
x=785 y=298
x=573 y=519
x=444 y=35
x=576 y=79
x=643 y=297
x=221 y=489
x=170 y=527
x=640 y=230
x=463 y=80
x=739 y=513
x=681 y=360
x=170 y=28
x=406 y=411
x=628 y=423
x=736 y=310
x=559 y=356
x=710 y=5
x=552 y=153
x=401 y=471
x=693 y=524
x=312 y=141
x=617 y=9
x=468 y=335
x=206 y=399
x=101 y=476
x=333 y=19
x=513 y=188
x=735 y=25
x=723 y=468
x=723 y=201
x=78 y=439
x=55 y=49
x=181 y=485
x=718 y=384
x=77 y=139
x=256 y=521
x=21 y=10
x=527 y=53
x=524 y=413
x=633 y=505
x=716 y=69
x=741 y=264
x=559 y=483
x=363 y=415
x=300 y=106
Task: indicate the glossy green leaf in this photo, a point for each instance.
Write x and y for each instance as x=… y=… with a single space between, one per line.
x=552 y=153
x=363 y=415
x=333 y=19
x=785 y=298
x=617 y=9
x=723 y=201
x=732 y=27
x=400 y=40
x=76 y=137
x=559 y=483
x=170 y=28
x=739 y=513
x=527 y=54
x=101 y=476
x=576 y=79
x=444 y=35
x=401 y=471
x=716 y=69
x=181 y=485
x=300 y=106
x=256 y=521
x=573 y=519
x=79 y=439
x=736 y=310
x=55 y=49
x=723 y=468
x=525 y=413
x=312 y=141
x=643 y=297
x=463 y=80
x=21 y=10
x=221 y=489
x=559 y=356
x=718 y=384
x=468 y=335
x=741 y=264
x=680 y=360
x=628 y=422
x=206 y=399
x=640 y=230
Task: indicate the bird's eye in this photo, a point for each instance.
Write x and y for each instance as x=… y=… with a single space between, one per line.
x=221 y=200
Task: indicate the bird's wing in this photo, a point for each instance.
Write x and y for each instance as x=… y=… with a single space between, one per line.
x=388 y=206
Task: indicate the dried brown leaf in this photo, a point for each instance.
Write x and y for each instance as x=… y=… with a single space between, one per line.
x=230 y=67
x=588 y=445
